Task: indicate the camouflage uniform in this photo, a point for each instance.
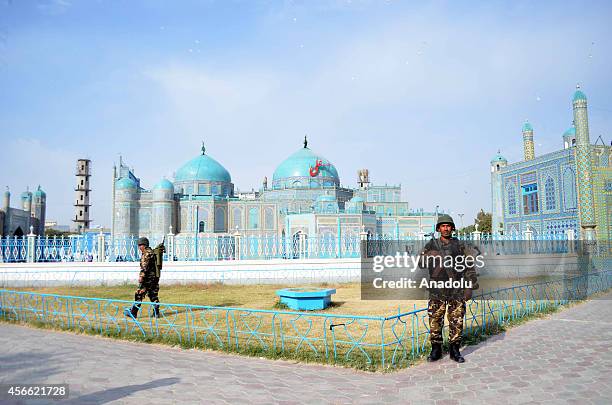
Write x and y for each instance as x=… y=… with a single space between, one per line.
x=148 y=280
x=453 y=299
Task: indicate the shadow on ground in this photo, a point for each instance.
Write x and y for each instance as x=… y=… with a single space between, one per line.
x=114 y=394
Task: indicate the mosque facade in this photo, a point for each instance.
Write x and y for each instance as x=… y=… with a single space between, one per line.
x=17 y=221
x=304 y=197
x=568 y=190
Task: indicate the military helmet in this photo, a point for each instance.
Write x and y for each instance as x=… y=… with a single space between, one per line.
x=445 y=219
x=143 y=241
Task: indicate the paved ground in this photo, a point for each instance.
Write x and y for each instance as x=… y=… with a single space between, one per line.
x=564 y=359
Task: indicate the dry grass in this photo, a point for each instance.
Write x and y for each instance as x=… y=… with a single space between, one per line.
x=347 y=299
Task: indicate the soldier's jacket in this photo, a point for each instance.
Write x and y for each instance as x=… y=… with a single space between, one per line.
x=454 y=247
x=147 y=266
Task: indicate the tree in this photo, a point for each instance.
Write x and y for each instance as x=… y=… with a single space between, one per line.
x=55 y=232
x=483 y=220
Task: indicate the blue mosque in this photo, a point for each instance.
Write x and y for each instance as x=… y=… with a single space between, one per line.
x=568 y=190
x=304 y=197
x=17 y=221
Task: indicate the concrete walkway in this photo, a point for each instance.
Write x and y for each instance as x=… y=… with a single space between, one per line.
x=566 y=358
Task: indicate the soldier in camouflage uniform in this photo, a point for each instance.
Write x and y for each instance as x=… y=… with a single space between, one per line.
x=448 y=300
x=148 y=279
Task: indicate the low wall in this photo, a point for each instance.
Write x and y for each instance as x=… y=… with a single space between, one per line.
x=274 y=271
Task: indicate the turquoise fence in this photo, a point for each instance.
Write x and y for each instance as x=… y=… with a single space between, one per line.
x=206 y=247
x=368 y=341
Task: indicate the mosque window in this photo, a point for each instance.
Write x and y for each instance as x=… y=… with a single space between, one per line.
x=511 y=200
x=530 y=199
x=219 y=219
x=237 y=218
x=202 y=227
x=569 y=189
x=202 y=189
x=549 y=192
x=269 y=218
x=253 y=218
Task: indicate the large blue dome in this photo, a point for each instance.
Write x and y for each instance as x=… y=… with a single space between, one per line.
x=203 y=168
x=298 y=166
x=125 y=183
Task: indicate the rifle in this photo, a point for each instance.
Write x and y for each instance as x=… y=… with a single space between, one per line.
x=159 y=257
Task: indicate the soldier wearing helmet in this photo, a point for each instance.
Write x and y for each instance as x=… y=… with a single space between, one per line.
x=148 y=280
x=448 y=300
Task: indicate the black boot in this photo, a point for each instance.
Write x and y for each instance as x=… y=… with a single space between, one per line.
x=156 y=311
x=436 y=352
x=132 y=312
x=455 y=354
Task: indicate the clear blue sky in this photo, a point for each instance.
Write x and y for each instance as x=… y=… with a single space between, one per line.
x=420 y=93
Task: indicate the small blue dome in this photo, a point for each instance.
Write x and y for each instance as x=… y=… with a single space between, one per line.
x=498 y=158
x=527 y=126
x=325 y=197
x=579 y=95
x=357 y=199
x=39 y=192
x=203 y=168
x=164 y=184
x=125 y=183
x=570 y=132
x=299 y=164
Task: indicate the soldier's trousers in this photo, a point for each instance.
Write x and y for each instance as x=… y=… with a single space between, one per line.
x=150 y=289
x=436 y=310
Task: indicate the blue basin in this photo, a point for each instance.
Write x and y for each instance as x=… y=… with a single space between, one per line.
x=306 y=299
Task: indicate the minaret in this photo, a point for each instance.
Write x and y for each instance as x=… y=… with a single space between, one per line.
x=39 y=208
x=113 y=212
x=497 y=210
x=528 y=146
x=584 y=175
x=26 y=201
x=81 y=206
x=6 y=203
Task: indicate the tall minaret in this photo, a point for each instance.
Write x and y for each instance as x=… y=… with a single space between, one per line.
x=6 y=202
x=584 y=175
x=528 y=146
x=81 y=206
x=498 y=163
x=113 y=213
